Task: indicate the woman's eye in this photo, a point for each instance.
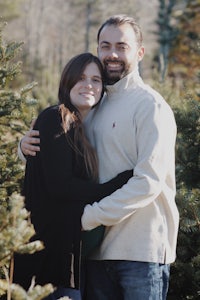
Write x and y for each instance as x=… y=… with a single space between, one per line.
x=97 y=80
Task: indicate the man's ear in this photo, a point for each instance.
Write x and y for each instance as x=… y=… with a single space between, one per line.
x=140 y=53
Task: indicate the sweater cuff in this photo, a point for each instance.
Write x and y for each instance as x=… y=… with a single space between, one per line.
x=20 y=153
x=88 y=218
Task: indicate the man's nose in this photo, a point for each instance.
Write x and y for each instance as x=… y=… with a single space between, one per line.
x=113 y=53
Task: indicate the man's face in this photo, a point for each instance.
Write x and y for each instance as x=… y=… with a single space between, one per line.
x=118 y=51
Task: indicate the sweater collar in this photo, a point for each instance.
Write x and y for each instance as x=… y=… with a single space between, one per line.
x=132 y=79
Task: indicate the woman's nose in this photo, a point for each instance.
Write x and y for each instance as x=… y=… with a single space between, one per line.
x=88 y=83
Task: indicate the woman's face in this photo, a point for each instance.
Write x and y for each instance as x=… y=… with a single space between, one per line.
x=87 y=91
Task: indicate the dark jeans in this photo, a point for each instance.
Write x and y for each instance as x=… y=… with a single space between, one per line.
x=126 y=280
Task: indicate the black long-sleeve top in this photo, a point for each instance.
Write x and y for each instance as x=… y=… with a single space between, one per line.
x=56 y=189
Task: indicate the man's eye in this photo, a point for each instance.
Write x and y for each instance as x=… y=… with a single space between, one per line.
x=104 y=47
x=123 y=47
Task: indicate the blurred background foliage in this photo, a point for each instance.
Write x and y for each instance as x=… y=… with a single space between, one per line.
x=39 y=38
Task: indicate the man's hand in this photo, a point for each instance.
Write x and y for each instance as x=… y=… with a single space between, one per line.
x=29 y=141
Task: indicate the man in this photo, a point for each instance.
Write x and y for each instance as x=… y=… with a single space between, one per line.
x=132 y=128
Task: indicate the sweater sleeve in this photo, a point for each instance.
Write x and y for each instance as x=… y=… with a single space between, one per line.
x=56 y=164
x=153 y=172
x=20 y=153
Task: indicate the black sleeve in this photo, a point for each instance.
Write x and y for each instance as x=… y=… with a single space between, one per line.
x=56 y=159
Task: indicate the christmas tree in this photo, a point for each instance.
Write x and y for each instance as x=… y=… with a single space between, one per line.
x=16 y=108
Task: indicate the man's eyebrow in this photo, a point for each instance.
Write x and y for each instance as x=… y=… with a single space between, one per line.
x=104 y=42
x=122 y=43
x=118 y=43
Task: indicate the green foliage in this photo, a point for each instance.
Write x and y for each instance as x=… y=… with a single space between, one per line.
x=188 y=141
x=185 y=272
x=34 y=293
x=181 y=90
x=16 y=109
x=15 y=117
x=15 y=233
x=15 y=230
x=185 y=278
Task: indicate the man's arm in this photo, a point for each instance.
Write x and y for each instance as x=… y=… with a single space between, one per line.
x=154 y=172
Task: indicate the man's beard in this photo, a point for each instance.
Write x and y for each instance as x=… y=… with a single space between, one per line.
x=112 y=76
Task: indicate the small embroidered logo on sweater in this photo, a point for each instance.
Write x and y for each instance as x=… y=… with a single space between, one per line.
x=113 y=125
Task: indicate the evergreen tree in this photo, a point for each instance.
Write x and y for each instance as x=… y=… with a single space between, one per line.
x=185 y=272
x=180 y=89
x=15 y=226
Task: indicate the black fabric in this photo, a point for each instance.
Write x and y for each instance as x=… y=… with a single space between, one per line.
x=56 y=190
x=91 y=240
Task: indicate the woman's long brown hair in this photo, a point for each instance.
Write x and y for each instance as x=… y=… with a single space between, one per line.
x=69 y=113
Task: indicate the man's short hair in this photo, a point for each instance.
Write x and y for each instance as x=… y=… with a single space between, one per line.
x=117 y=20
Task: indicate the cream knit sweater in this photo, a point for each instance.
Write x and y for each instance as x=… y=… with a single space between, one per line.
x=134 y=128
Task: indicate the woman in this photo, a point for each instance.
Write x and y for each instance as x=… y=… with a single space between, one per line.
x=62 y=178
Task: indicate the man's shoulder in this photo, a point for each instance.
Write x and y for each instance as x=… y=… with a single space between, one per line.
x=150 y=94
x=149 y=97
x=147 y=100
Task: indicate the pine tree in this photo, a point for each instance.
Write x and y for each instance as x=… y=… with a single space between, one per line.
x=180 y=89
x=15 y=226
x=185 y=272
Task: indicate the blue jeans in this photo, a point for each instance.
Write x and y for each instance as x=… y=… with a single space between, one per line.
x=126 y=280
x=61 y=292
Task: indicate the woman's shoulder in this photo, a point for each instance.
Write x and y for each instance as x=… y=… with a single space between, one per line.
x=49 y=111
x=49 y=118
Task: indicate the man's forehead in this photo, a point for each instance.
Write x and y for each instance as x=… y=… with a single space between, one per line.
x=117 y=34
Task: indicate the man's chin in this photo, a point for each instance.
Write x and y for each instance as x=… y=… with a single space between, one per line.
x=113 y=77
